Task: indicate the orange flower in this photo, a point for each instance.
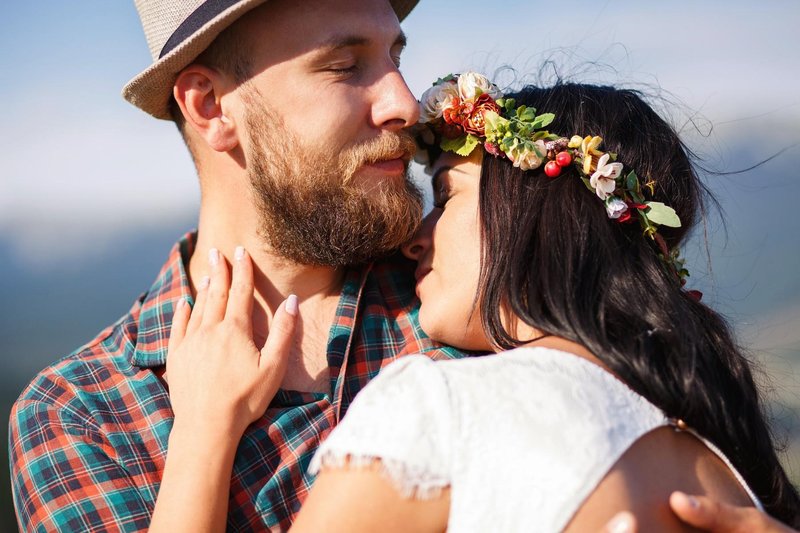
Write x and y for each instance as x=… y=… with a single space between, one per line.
x=474 y=122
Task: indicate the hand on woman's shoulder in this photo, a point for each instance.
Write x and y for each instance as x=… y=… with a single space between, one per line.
x=642 y=480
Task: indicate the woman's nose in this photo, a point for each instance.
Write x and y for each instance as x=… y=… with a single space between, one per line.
x=421 y=242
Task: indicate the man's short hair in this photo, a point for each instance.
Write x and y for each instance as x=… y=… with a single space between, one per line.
x=229 y=53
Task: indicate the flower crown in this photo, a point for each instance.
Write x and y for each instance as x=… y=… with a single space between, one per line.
x=467 y=110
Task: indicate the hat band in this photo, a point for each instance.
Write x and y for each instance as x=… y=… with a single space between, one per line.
x=201 y=16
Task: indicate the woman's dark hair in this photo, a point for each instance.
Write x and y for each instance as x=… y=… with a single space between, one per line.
x=551 y=253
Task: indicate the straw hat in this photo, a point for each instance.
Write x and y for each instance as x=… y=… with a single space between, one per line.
x=178 y=31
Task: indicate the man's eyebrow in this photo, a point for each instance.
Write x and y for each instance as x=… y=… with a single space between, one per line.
x=338 y=42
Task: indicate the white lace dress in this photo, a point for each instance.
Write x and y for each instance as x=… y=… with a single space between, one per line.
x=522 y=437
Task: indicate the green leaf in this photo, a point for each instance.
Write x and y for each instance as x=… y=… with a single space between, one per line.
x=663 y=215
x=448 y=78
x=528 y=114
x=494 y=123
x=462 y=146
x=543 y=120
x=645 y=222
x=632 y=181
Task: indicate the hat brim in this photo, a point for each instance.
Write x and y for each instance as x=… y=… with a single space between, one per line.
x=151 y=90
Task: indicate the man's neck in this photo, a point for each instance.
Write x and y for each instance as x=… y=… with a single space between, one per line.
x=318 y=289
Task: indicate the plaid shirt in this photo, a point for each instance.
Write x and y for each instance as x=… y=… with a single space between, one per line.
x=88 y=437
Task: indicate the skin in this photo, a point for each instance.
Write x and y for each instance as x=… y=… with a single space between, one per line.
x=447 y=249
x=343 y=57
x=706 y=514
x=454 y=256
x=358 y=93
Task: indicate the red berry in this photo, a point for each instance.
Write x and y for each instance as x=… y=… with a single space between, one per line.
x=552 y=169
x=564 y=159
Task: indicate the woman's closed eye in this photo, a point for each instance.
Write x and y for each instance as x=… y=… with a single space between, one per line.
x=441 y=187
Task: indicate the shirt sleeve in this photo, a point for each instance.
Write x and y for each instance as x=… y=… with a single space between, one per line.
x=61 y=477
x=401 y=418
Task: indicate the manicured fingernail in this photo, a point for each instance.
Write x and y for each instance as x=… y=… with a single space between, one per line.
x=238 y=254
x=621 y=524
x=691 y=501
x=291 y=305
x=204 y=283
x=179 y=304
x=213 y=257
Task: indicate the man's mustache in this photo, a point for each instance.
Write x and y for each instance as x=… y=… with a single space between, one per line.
x=387 y=146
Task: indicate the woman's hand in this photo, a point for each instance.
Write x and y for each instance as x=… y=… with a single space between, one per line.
x=219 y=381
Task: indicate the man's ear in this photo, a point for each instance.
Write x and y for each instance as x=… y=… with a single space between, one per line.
x=198 y=92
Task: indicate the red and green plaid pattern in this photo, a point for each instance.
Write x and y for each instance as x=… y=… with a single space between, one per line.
x=88 y=436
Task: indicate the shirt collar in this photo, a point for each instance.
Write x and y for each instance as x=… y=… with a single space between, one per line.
x=158 y=306
x=172 y=284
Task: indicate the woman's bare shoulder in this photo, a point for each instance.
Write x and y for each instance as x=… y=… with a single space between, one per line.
x=659 y=463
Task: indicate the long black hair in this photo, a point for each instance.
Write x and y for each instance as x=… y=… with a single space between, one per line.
x=550 y=253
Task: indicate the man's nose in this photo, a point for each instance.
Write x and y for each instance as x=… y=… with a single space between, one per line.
x=395 y=107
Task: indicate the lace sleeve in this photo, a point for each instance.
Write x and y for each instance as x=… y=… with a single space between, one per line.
x=402 y=418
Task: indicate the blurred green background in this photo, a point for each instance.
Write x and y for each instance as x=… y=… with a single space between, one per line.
x=93 y=192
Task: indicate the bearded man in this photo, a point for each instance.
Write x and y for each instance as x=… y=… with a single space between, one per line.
x=294 y=115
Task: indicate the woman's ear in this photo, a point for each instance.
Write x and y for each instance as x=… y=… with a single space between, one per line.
x=198 y=90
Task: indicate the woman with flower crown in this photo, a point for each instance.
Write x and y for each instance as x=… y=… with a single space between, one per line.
x=553 y=243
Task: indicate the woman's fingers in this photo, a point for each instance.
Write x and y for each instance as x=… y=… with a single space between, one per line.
x=275 y=352
x=240 y=297
x=180 y=321
x=217 y=297
x=199 y=305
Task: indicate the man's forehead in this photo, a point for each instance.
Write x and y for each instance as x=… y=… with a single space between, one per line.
x=322 y=21
x=325 y=24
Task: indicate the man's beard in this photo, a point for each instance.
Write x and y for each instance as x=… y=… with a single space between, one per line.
x=312 y=210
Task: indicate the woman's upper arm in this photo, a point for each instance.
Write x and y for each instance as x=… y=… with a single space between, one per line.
x=354 y=499
x=642 y=480
x=394 y=442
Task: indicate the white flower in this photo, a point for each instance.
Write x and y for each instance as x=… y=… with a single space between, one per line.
x=604 y=179
x=526 y=156
x=436 y=99
x=615 y=207
x=471 y=85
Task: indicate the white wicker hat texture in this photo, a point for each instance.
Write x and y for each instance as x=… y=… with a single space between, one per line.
x=177 y=31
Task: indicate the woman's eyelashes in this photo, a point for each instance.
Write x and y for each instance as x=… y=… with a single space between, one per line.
x=440 y=199
x=441 y=187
